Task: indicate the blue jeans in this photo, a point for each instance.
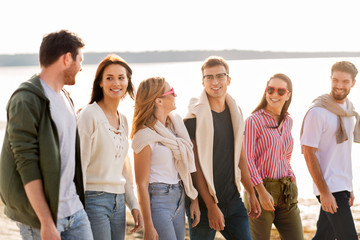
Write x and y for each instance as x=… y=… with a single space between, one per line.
x=167 y=202
x=236 y=223
x=339 y=225
x=75 y=227
x=107 y=215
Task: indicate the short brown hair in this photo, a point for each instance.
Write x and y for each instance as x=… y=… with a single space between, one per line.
x=213 y=61
x=345 y=66
x=58 y=43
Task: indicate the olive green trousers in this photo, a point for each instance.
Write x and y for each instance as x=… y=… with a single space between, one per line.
x=286 y=216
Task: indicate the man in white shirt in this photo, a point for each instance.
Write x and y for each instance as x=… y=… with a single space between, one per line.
x=326 y=140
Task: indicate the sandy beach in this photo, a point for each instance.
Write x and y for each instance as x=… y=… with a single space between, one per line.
x=309 y=212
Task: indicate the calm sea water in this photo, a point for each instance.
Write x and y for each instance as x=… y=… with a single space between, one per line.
x=311 y=77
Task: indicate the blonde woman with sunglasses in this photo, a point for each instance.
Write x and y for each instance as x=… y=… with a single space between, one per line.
x=164 y=160
x=268 y=145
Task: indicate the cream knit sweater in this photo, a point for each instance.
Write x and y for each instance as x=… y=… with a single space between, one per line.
x=104 y=154
x=200 y=108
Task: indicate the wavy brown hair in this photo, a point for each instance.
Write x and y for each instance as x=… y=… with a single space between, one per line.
x=263 y=102
x=97 y=93
x=147 y=92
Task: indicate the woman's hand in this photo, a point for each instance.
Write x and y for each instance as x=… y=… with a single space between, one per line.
x=194 y=212
x=150 y=234
x=266 y=200
x=255 y=209
x=138 y=222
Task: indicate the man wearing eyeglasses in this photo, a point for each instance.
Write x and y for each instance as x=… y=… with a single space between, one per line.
x=326 y=139
x=215 y=125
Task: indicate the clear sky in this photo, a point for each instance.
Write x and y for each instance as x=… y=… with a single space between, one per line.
x=147 y=25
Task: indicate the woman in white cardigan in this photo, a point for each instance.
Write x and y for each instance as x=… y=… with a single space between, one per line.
x=104 y=152
x=164 y=160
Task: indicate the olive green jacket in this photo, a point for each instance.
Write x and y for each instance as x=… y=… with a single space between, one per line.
x=31 y=151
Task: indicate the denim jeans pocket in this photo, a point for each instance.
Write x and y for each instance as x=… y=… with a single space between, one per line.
x=159 y=189
x=90 y=194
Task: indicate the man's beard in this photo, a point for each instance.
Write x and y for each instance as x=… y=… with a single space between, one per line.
x=69 y=75
x=338 y=96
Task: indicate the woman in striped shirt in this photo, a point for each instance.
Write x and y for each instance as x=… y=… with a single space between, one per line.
x=268 y=146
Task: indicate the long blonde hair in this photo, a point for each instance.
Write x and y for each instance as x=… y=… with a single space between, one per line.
x=147 y=92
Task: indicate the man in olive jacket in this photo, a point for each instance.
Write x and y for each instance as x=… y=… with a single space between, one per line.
x=40 y=170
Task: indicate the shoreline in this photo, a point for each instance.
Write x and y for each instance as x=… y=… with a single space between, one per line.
x=309 y=211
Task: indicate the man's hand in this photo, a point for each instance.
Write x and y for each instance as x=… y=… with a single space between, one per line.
x=194 y=212
x=255 y=209
x=48 y=231
x=328 y=202
x=35 y=193
x=216 y=218
x=352 y=198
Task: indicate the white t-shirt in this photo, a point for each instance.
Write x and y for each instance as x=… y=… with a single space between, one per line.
x=63 y=115
x=162 y=165
x=319 y=131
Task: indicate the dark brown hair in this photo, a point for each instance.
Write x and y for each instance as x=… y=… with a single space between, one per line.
x=57 y=44
x=97 y=93
x=284 y=109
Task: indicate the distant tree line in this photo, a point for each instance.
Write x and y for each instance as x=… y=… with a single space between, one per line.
x=177 y=56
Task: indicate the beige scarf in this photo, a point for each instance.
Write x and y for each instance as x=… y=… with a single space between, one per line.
x=180 y=145
x=327 y=101
x=200 y=108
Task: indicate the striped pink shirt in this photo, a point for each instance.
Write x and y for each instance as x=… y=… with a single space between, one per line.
x=268 y=150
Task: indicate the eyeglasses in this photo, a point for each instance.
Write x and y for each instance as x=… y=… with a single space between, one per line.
x=281 y=91
x=169 y=92
x=220 y=77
